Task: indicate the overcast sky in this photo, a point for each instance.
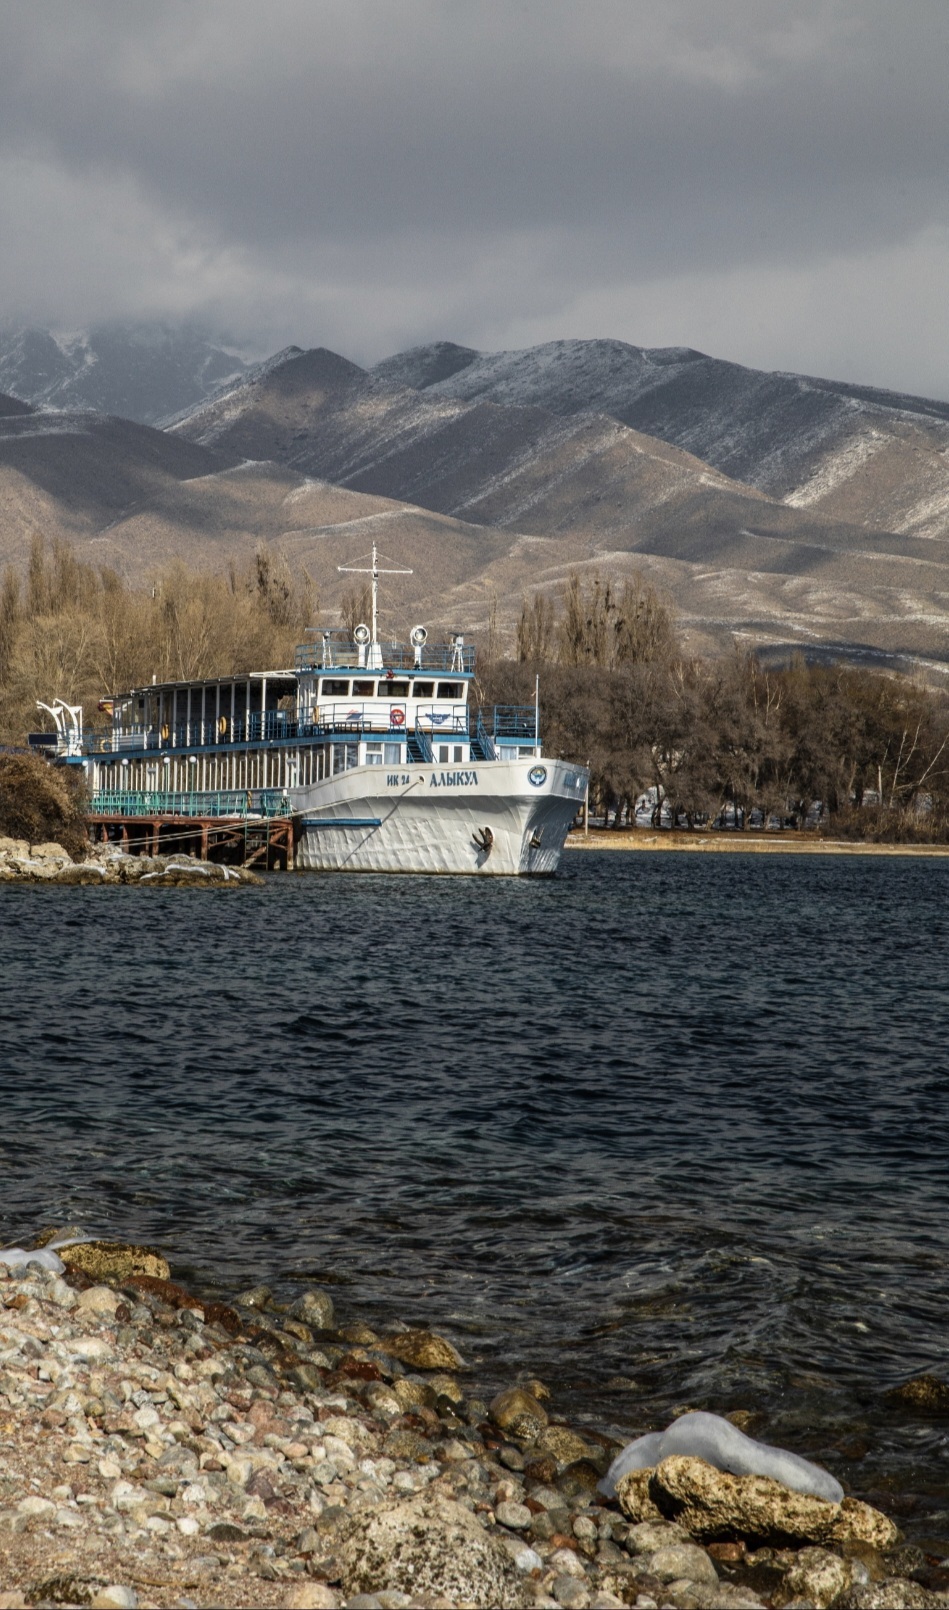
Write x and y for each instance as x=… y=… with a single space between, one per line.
x=766 y=180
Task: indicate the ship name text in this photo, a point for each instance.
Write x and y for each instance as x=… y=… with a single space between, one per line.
x=454 y=779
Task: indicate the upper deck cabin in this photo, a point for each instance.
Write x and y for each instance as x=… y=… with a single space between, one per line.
x=416 y=695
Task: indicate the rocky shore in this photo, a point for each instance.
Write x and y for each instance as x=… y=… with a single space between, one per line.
x=157 y=1449
x=21 y=862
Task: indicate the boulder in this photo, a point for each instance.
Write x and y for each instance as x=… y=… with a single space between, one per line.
x=429 y=1547
x=677 y=1561
x=314 y=1308
x=80 y=876
x=711 y=1504
x=99 y=1300
x=311 y=1596
x=924 y=1395
x=649 y=1536
x=896 y=1593
x=565 y=1445
x=817 y=1576
x=424 y=1350
x=114 y=1260
x=699 y=1435
x=518 y=1413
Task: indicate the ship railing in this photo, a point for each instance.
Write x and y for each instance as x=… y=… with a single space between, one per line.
x=482 y=744
x=396 y=718
x=269 y=726
x=229 y=802
x=260 y=726
x=514 y=721
x=334 y=650
x=438 y=721
x=354 y=717
x=420 y=747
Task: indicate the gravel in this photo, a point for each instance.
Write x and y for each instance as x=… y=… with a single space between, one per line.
x=158 y=1451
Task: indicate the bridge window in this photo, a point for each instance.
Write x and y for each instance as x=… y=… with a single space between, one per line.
x=366 y=689
x=451 y=690
x=423 y=690
x=335 y=687
x=394 y=690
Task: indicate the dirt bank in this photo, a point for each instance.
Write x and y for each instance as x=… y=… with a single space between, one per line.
x=754 y=843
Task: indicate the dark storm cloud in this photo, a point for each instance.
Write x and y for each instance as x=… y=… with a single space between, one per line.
x=380 y=169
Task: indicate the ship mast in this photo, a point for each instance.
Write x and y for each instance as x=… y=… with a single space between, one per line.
x=375 y=572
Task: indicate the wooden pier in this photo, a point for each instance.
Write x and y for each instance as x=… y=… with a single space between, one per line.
x=264 y=843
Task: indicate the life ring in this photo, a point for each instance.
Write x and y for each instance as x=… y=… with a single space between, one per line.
x=166 y=731
x=105 y=746
x=396 y=717
x=222 y=725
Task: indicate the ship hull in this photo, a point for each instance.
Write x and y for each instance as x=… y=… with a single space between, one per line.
x=486 y=818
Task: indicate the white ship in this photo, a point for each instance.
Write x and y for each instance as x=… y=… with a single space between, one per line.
x=374 y=749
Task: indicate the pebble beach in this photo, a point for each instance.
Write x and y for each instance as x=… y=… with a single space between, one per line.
x=157 y=1449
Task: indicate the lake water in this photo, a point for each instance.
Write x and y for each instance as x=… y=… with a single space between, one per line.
x=664 y=1130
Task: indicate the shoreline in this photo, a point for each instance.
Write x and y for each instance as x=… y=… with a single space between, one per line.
x=154 y=1443
x=790 y=843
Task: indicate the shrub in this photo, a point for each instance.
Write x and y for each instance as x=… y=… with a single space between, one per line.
x=42 y=803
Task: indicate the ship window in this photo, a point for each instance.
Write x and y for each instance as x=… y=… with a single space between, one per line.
x=335 y=685
x=345 y=756
x=394 y=690
x=450 y=690
x=376 y=754
x=367 y=689
x=423 y=690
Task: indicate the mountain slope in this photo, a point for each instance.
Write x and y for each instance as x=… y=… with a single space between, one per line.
x=873 y=457
x=486 y=502
x=142 y=371
x=134 y=498
x=581 y=489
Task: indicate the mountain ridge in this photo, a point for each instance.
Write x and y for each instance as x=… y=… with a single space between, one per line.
x=141 y=371
x=861 y=454
x=492 y=500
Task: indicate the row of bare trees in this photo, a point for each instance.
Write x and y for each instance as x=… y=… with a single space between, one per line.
x=724 y=739
x=712 y=738
x=75 y=631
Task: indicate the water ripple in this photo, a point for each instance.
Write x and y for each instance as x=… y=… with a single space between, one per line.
x=674 y=1122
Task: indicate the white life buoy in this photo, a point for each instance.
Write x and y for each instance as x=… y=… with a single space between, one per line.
x=396 y=716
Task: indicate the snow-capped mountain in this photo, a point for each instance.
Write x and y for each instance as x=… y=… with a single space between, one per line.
x=494 y=475
x=876 y=458
x=140 y=371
